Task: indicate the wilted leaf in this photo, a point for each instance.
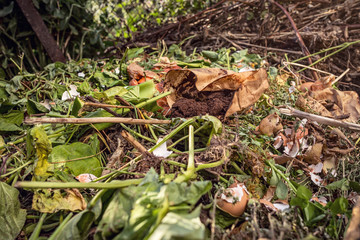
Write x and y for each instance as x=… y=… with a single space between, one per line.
x=50 y=201
x=43 y=149
x=78 y=158
x=12 y=217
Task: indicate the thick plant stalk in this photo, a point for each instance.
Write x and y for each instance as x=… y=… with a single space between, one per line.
x=190 y=171
x=110 y=185
x=95 y=120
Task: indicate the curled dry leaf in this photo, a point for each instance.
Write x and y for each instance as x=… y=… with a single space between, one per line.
x=246 y=87
x=313 y=154
x=270 y=125
x=137 y=72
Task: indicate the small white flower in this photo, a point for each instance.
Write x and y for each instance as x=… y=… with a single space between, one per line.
x=117 y=70
x=81 y=74
x=70 y=94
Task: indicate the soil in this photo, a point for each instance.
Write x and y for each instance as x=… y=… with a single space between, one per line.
x=212 y=103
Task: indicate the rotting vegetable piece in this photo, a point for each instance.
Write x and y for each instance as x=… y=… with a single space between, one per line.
x=234 y=199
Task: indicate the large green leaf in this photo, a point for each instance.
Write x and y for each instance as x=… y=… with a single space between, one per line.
x=78 y=227
x=180 y=226
x=182 y=193
x=8 y=127
x=12 y=217
x=79 y=157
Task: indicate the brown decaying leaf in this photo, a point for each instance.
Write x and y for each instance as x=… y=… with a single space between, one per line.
x=270 y=124
x=248 y=86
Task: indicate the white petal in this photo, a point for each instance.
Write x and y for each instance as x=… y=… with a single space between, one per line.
x=81 y=74
x=281 y=206
x=162 y=151
x=70 y=94
x=316 y=179
x=316 y=168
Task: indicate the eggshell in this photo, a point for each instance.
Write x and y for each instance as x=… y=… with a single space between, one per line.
x=270 y=125
x=234 y=199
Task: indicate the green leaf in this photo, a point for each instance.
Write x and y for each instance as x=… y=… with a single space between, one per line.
x=303 y=193
x=7 y=10
x=355 y=186
x=342 y=184
x=310 y=212
x=118 y=212
x=79 y=158
x=78 y=104
x=281 y=190
x=211 y=55
x=182 y=193
x=340 y=205
x=12 y=217
x=299 y=202
x=186 y=226
x=274 y=180
x=15 y=117
x=78 y=227
x=107 y=79
x=8 y=127
x=35 y=107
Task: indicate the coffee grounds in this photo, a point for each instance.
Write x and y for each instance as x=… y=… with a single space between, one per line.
x=212 y=103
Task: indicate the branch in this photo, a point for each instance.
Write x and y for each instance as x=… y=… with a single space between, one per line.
x=323 y=120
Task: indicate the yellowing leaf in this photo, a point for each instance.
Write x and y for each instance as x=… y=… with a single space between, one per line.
x=43 y=149
x=50 y=201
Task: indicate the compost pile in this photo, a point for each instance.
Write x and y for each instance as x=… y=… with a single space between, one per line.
x=218 y=143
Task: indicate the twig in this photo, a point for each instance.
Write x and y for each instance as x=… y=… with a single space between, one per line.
x=95 y=120
x=128 y=137
x=341 y=76
x=90 y=98
x=304 y=49
x=102 y=105
x=320 y=119
x=254 y=45
x=301 y=65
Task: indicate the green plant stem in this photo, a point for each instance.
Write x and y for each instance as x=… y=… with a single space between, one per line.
x=210 y=165
x=282 y=175
x=237 y=168
x=345 y=45
x=37 y=230
x=322 y=51
x=17 y=169
x=190 y=171
x=186 y=136
x=60 y=227
x=110 y=185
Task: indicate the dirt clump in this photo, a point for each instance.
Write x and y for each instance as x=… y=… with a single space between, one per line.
x=212 y=103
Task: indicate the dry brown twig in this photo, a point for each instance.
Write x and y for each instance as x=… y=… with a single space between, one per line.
x=301 y=41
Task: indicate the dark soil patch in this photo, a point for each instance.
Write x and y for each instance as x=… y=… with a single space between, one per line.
x=212 y=103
